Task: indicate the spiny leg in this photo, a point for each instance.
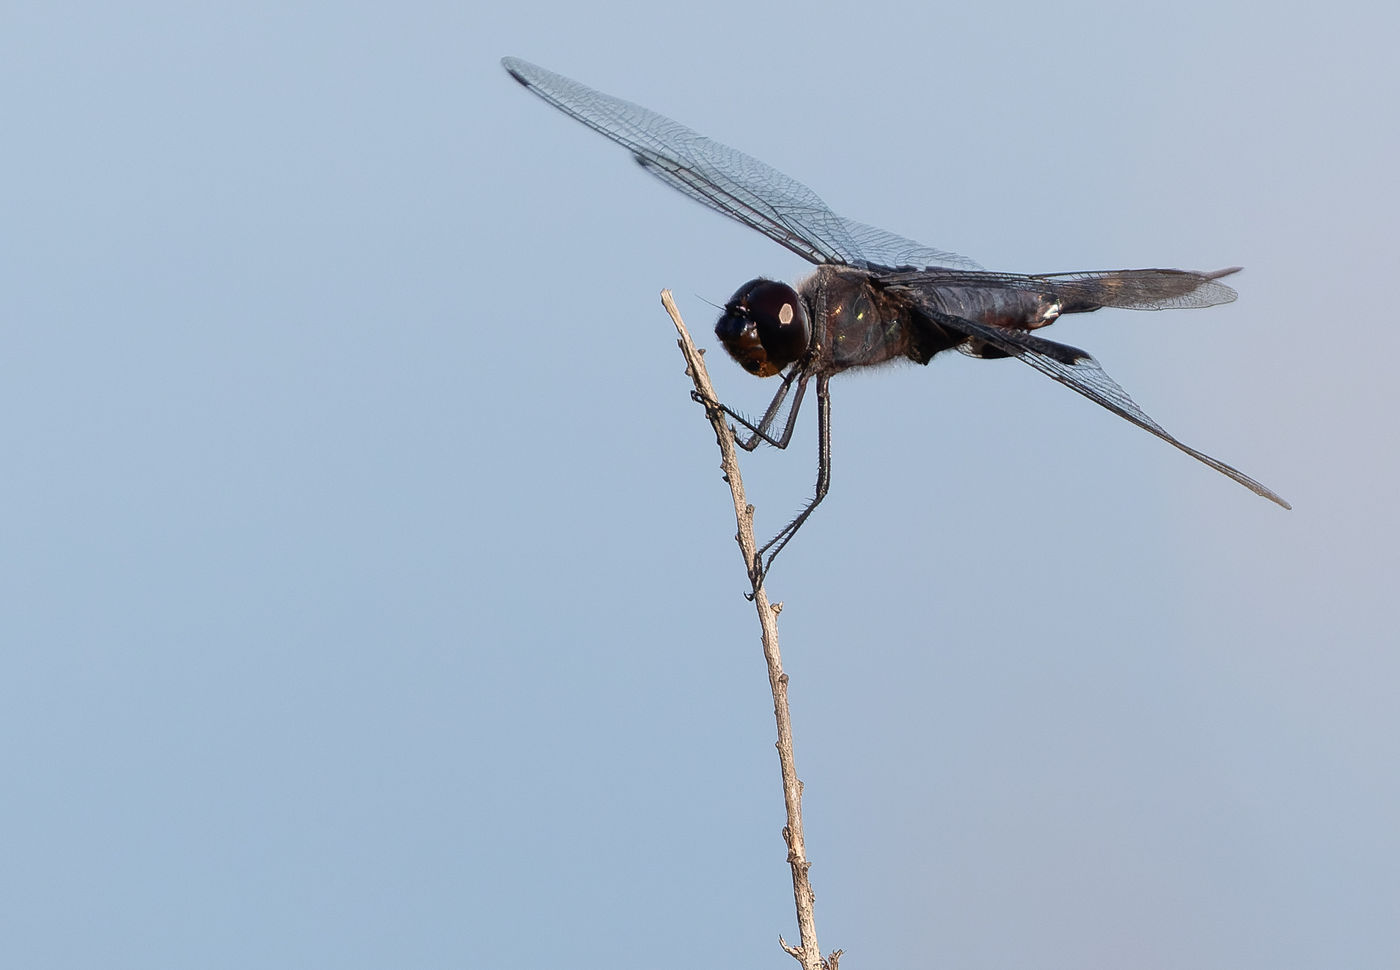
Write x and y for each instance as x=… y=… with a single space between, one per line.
x=760 y=431
x=776 y=544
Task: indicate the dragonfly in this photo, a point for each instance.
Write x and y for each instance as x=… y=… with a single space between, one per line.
x=875 y=297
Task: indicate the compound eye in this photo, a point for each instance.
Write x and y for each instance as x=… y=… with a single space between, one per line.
x=764 y=327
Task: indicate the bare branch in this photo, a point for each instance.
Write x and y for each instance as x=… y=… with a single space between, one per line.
x=809 y=953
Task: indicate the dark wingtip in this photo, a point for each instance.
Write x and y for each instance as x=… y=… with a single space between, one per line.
x=509 y=63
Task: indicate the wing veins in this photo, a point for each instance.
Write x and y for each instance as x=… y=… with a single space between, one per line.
x=1080 y=372
x=729 y=181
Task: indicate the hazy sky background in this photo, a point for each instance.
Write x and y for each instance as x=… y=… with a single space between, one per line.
x=367 y=590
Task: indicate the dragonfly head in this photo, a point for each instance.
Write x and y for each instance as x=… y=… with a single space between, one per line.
x=764 y=327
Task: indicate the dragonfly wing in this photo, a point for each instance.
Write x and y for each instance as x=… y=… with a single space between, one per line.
x=723 y=178
x=730 y=182
x=1129 y=289
x=1079 y=371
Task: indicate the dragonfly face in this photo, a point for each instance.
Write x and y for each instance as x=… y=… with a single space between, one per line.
x=764 y=327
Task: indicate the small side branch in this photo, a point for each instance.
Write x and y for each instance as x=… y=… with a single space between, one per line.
x=808 y=953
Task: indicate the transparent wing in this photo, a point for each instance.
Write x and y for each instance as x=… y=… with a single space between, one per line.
x=881 y=248
x=1080 y=372
x=1131 y=289
x=728 y=181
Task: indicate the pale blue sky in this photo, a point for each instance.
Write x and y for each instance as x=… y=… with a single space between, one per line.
x=367 y=589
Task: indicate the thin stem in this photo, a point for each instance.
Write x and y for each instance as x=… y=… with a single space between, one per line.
x=808 y=953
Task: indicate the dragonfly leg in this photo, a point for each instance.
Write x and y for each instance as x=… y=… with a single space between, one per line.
x=775 y=545
x=760 y=431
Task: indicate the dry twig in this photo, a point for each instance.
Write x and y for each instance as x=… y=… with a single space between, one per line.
x=808 y=953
